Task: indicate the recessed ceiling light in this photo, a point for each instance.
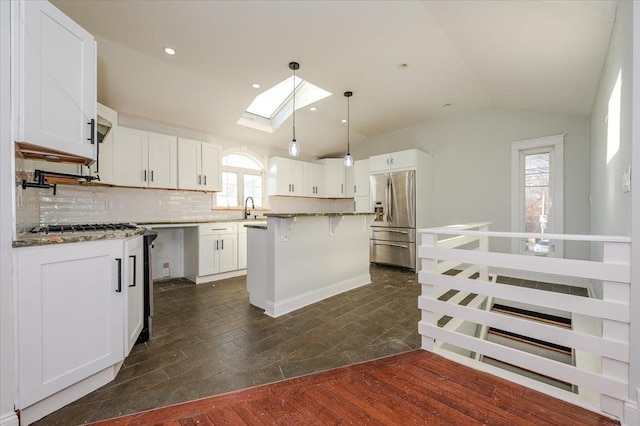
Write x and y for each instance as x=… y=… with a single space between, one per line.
x=344 y=121
x=169 y=51
x=312 y=109
x=446 y=105
x=255 y=85
x=403 y=65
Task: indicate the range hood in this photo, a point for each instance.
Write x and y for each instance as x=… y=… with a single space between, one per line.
x=103 y=128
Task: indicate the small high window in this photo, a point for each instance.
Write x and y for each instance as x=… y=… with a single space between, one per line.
x=242 y=176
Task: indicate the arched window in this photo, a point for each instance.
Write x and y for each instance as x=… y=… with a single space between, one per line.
x=242 y=177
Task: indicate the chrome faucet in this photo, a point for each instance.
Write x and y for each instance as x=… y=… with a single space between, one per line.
x=247 y=212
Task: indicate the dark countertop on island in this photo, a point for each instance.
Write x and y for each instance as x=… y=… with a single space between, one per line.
x=256 y=226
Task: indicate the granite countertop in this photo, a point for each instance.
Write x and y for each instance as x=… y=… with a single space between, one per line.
x=177 y=223
x=289 y=215
x=42 y=239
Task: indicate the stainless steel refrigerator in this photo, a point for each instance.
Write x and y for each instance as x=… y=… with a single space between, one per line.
x=393 y=232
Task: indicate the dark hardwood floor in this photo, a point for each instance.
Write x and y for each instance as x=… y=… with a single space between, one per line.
x=414 y=388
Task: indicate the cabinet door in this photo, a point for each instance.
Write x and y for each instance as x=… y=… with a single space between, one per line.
x=57 y=80
x=403 y=159
x=361 y=178
x=163 y=161
x=349 y=182
x=134 y=294
x=211 y=170
x=228 y=252
x=334 y=177
x=379 y=163
x=296 y=172
x=133 y=157
x=308 y=180
x=189 y=164
x=208 y=247
x=278 y=182
x=242 y=248
x=70 y=315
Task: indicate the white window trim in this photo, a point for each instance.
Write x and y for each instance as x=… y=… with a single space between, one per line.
x=246 y=152
x=557 y=182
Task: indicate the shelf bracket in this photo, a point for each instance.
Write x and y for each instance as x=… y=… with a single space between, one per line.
x=334 y=221
x=286 y=225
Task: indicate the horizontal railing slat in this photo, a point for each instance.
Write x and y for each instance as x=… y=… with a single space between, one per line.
x=458 y=241
x=562 y=237
x=528 y=361
x=568 y=267
x=548 y=333
x=563 y=302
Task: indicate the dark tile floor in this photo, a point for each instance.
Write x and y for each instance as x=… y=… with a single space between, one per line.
x=209 y=340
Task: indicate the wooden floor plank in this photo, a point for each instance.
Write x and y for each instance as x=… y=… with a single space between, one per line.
x=413 y=388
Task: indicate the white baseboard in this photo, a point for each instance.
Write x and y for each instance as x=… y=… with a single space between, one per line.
x=631 y=415
x=9 y=419
x=291 y=304
x=218 y=277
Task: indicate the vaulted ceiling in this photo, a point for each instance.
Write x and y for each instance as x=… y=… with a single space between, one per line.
x=403 y=60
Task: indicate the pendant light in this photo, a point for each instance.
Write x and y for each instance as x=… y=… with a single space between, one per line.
x=348 y=159
x=294 y=148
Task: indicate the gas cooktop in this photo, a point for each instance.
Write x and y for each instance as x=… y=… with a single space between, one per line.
x=89 y=227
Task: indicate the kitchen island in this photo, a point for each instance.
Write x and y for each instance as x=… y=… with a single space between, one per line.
x=302 y=258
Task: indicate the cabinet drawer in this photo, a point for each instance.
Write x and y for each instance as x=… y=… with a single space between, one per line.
x=218 y=228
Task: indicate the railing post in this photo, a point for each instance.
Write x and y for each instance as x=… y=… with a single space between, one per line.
x=618 y=253
x=484 y=246
x=428 y=266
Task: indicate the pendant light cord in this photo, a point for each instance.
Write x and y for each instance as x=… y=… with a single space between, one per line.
x=348 y=123
x=294 y=104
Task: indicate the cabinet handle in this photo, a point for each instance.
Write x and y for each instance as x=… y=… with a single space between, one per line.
x=205 y=180
x=342 y=188
x=92 y=124
x=391 y=160
x=221 y=244
x=151 y=175
x=217 y=241
x=134 y=270
x=387 y=161
x=145 y=175
x=354 y=189
x=119 y=289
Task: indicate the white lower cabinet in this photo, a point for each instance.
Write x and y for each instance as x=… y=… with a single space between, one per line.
x=217 y=248
x=69 y=312
x=133 y=274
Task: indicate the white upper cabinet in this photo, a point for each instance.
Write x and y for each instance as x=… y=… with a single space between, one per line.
x=162 y=169
x=361 y=178
x=312 y=180
x=145 y=159
x=401 y=160
x=56 y=80
x=334 y=177
x=132 y=152
x=350 y=184
x=198 y=165
x=285 y=177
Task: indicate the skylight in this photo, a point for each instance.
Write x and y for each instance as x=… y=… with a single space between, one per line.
x=272 y=107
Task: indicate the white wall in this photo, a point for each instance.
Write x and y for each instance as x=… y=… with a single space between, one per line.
x=7 y=386
x=471 y=162
x=634 y=379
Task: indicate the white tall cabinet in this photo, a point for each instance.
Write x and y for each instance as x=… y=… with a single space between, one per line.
x=146 y=159
x=198 y=165
x=56 y=79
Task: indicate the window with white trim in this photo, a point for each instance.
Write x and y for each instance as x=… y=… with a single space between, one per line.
x=242 y=177
x=537 y=182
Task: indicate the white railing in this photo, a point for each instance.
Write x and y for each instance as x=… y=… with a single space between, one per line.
x=600 y=332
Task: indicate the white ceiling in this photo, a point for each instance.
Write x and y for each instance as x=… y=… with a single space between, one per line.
x=538 y=55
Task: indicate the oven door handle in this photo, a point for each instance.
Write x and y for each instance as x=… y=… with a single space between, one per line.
x=391 y=244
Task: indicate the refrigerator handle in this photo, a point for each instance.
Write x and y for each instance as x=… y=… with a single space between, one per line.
x=390 y=200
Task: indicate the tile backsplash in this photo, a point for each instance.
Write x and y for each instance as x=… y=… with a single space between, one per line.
x=102 y=204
